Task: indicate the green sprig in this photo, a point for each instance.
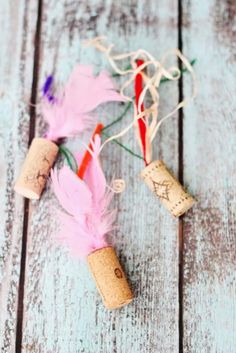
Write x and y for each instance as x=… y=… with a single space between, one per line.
x=120 y=117
x=123 y=146
x=183 y=70
x=69 y=157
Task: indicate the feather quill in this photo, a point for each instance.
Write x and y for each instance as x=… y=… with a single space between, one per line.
x=88 y=218
x=70 y=112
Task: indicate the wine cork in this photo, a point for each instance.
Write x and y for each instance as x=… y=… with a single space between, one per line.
x=167 y=188
x=110 y=278
x=35 y=170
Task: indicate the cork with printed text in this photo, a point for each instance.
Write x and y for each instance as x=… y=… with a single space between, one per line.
x=35 y=170
x=110 y=278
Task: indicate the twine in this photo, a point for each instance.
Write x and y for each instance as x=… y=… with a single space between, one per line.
x=152 y=82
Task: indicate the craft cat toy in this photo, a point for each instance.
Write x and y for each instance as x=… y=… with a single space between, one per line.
x=143 y=67
x=157 y=176
x=86 y=198
x=66 y=115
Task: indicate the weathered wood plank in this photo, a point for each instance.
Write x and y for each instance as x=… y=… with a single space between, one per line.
x=17 y=23
x=209 y=165
x=63 y=312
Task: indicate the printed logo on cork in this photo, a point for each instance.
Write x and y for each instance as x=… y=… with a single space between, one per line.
x=162 y=189
x=37 y=176
x=118 y=273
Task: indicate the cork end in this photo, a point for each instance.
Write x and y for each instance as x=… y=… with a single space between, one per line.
x=36 y=168
x=110 y=278
x=118 y=306
x=179 y=212
x=27 y=193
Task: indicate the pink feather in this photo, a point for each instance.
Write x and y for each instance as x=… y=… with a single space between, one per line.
x=69 y=113
x=87 y=201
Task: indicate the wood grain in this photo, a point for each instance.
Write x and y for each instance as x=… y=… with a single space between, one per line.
x=209 y=165
x=17 y=25
x=62 y=309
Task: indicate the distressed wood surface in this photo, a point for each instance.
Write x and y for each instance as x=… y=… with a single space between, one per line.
x=209 y=290
x=59 y=310
x=63 y=311
x=17 y=25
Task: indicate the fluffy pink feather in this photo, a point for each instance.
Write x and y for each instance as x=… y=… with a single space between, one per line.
x=88 y=218
x=69 y=113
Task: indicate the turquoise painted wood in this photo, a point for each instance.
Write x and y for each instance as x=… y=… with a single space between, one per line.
x=210 y=167
x=187 y=309
x=17 y=23
x=63 y=311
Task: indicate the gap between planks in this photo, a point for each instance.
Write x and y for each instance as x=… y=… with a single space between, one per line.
x=181 y=177
x=32 y=112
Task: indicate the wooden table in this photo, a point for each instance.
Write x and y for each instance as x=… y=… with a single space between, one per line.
x=182 y=271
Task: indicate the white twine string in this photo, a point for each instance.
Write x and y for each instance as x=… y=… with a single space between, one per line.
x=117 y=186
x=156 y=71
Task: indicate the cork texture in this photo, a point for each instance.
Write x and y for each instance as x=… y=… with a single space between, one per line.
x=110 y=278
x=35 y=170
x=167 y=188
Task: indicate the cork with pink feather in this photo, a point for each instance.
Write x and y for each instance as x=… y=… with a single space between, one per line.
x=66 y=113
x=85 y=223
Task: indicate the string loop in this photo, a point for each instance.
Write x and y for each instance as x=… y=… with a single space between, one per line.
x=152 y=71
